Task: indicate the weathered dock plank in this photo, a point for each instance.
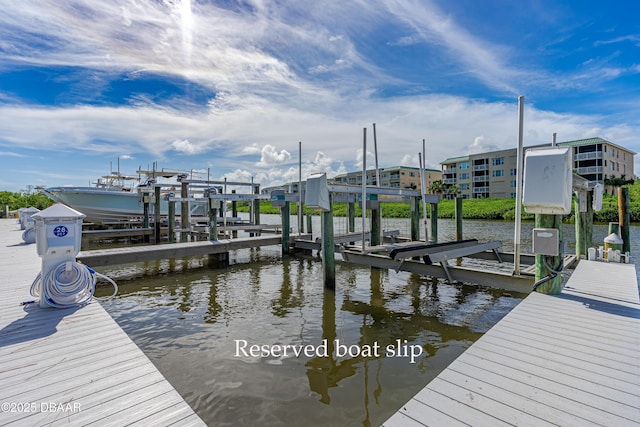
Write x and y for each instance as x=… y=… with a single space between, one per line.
x=72 y=366
x=129 y=254
x=570 y=359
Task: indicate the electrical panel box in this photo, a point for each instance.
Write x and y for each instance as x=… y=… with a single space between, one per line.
x=317 y=193
x=546 y=241
x=548 y=181
x=58 y=231
x=277 y=198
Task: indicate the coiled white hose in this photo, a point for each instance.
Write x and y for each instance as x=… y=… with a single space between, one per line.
x=29 y=235
x=69 y=284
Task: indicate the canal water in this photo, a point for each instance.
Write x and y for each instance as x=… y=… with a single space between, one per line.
x=354 y=355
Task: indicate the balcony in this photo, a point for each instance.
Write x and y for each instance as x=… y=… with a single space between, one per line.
x=590 y=169
x=449 y=170
x=588 y=156
x=481 y=178
x=449 y=181
x=483 y=167
x=484 y=189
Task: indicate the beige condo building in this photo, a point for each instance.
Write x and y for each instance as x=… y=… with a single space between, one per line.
x=493 y=174
x=393 y=177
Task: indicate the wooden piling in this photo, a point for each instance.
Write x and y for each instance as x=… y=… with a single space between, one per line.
x=184 y=212
x=458 y=218
x=172 y=222
x=156 y=214
x=328 y=250
x=213 y=221
x=554 y=285
x=285 y=214
x=145 y=218
x=415 y=219
x=624 y=217
x=376 y=226
x=434 y=223
x=458 y=225
x=351 y=215
x=309 y=221
x=584 y=225
x=234 y=213
x=256 y=206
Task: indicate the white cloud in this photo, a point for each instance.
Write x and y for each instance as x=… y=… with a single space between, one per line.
x=185 y=146
x=480 y=145
x=270 y=156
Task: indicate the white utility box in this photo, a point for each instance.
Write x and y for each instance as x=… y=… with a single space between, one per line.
x=548 y=181
x=58 y=231
x=25 y=217
x=598 y=189
x=317 y=193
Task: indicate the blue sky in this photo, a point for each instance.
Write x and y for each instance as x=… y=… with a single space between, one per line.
x=230 y=87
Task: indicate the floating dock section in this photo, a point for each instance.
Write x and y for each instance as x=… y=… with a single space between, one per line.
x=570 y=360
x=72 y=366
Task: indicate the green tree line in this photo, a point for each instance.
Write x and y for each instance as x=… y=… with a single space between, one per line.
x=23 y=199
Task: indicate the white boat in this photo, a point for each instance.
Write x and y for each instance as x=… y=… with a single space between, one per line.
x=112 y=200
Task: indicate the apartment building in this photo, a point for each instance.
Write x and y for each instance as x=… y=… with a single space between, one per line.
x=393 y=177
x=493 y=174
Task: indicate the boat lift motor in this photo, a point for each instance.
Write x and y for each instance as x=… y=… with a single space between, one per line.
x=62 y=282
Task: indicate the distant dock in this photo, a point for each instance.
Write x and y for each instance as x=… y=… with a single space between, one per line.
x=571 y=360
x=72 y=366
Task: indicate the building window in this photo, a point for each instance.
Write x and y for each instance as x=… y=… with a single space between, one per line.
x=412 y=174
x=513 y=195
x=512 y=184
x=464 y=175
x=464 y=165
x=497 y=161
x=464 y=186
x=498 y=172
x=513 y=172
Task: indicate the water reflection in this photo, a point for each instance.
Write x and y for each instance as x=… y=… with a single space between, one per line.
x=187 y=319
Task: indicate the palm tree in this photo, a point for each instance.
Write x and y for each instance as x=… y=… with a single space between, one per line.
x=436 y=187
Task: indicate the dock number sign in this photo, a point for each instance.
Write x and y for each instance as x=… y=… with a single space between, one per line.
x=60 y=231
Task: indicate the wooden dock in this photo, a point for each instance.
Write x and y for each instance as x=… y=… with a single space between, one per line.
x=568 y=360
x=72 y=366
x=114 y=256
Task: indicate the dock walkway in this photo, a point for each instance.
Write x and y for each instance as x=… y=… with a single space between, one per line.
x=570 y=360
x=72 y=366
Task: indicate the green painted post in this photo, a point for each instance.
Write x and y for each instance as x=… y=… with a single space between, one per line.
x=415 y=219
x=624 y=216
x=376 y=226
x=285 y=214
x=184 y=212
x=458 y=218
x=156 y=214
x=458 y=225
x=351 y=215
x=328 y=253
x=234 y=213
x=145 y=221
x=256 y=206
x=553 y=286
x=584 y=225
x=172 y=221
x=434 y=223
x=213 y=221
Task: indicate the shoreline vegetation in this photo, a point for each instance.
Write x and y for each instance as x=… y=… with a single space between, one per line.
x=482 y=209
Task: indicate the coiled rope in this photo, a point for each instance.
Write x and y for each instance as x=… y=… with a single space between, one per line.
x=69 y=284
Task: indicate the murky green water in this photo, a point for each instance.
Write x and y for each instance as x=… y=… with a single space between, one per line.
x=189 y=319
